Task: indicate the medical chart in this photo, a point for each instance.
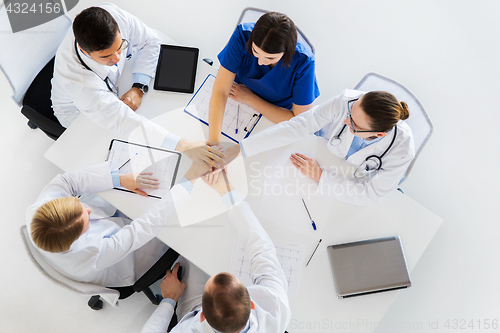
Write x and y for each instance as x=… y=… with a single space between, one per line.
x=134 y=158
x=290 y=255
x=245 y=121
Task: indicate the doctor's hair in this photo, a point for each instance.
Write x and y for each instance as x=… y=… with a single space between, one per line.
x=57 y=224
x=95 y=29
x=274 y=33
x=384 y=110
x=226 y=304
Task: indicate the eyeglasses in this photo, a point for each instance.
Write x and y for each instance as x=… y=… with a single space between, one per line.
x=350 y=117
x=124 y=44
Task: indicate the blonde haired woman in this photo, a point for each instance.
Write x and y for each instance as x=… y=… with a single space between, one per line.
x=99 y=249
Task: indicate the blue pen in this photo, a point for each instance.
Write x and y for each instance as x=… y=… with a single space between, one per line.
x=237 y=119
x=307 y=210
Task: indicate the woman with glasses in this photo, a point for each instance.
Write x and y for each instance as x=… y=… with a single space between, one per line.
x=365 y=129
x=264 y=66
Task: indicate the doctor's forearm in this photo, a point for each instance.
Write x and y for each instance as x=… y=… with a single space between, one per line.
x=272 y=112
x=215 y=115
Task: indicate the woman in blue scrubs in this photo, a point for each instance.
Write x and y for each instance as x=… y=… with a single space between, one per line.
x=264 y=67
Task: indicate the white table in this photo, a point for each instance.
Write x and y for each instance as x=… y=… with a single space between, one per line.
x=316 y=308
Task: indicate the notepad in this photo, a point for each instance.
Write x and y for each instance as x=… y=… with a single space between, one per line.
x=245 y=122
x=130 y=157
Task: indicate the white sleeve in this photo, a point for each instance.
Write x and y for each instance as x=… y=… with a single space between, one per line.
x=106 y=110
x=264 y=265
x=371 y=191
x=93 y=179
x=293 y=130
x=139 y=231
x=160 y=319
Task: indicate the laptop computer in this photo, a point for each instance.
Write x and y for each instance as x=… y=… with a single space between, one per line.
x=369 y=266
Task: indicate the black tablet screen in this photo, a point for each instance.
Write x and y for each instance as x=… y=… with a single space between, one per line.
x=176 y=69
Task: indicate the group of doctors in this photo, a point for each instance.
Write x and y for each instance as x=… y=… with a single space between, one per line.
x=263 y=65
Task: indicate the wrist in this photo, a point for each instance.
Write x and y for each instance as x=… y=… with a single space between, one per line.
x=182 y=145
x=143 y=88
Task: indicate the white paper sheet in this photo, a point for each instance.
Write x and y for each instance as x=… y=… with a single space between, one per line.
x=131 y=158
x=290 y=255
x=284 y=188
x=245 y=121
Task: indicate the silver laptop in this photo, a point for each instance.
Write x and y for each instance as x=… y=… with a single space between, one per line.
x=368 y=267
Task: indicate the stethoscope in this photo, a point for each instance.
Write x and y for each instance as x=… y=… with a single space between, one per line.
x=372 y=163
x=111 y=87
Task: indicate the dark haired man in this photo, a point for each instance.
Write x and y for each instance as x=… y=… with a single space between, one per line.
x=90 y=60
x=223 y=303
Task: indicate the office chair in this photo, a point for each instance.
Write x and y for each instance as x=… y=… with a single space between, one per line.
x=250 y=15
x=419 y=122
x=109 y=294
x=26 y=62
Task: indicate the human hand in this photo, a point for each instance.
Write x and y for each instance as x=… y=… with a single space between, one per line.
x=135 y=181
x=241 y=93
x=201 y=153
x=133 y=98
x=196 y=171
x=307 y=166
x=220 y=184
x=171 y=286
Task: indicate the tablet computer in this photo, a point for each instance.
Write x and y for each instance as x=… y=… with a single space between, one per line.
x=369 y=266
x=176 y=70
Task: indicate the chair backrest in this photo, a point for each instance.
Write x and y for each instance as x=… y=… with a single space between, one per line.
x=250 y=15
x=82 y=288
x=25 y=53
x=419 y=122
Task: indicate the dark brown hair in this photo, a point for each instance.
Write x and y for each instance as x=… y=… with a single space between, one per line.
x=384 y=110
x=226 y=305
x=274 y=33
x=95 y=29
x=57 y=224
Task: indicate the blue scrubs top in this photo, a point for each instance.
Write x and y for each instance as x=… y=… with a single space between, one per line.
x=281 y=85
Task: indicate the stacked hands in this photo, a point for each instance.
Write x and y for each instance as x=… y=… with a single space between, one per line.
x=208 y=161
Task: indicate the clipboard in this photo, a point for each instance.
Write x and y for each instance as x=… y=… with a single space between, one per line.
x=133 y=157
x=245 y=122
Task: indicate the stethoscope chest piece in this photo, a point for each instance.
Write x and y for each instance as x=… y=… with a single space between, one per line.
x=335 y=141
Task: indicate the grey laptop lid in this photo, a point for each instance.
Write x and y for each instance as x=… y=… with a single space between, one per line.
x=369 y=266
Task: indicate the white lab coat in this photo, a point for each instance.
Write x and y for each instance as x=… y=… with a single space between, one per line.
x=104 y=254
x=330 y=117
x=269 y=292
x=77 y=90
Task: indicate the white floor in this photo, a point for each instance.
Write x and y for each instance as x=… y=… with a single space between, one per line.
x=446 y=52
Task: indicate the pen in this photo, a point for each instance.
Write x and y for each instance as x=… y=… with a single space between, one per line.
x=314 y=252
x=125 y=163
x=237 y=119
x=307 y=210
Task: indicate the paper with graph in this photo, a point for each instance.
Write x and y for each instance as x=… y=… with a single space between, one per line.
x=290 y=255
x=135 y=158
x=244 y=122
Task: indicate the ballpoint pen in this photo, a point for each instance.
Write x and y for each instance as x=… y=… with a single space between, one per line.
x=314 y=252
x=237 y=120
x=307 y=210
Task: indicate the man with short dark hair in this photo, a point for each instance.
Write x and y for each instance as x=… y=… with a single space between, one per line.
x=88 y=64
x=222 y=303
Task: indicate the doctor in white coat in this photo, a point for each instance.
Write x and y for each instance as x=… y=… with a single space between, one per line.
x=222 y=303
x=89 y=244
x=88 y=64
x=366 y=129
